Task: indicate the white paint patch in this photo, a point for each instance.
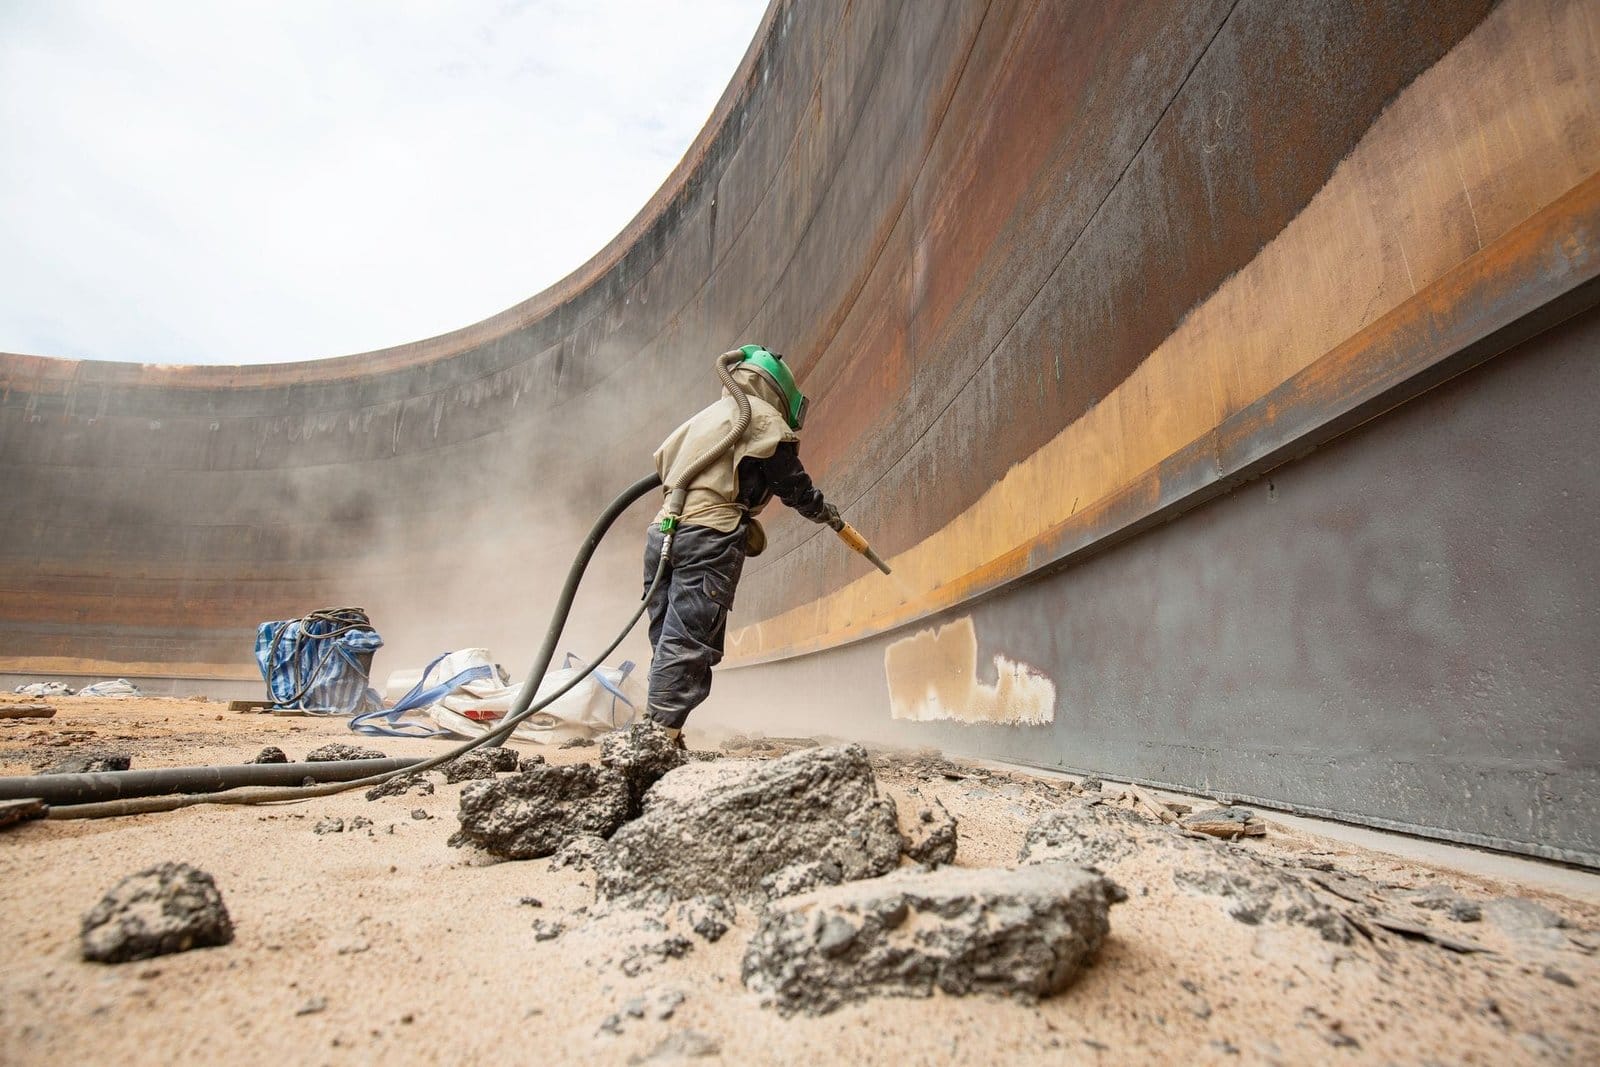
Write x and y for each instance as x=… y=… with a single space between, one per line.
x=933 y=675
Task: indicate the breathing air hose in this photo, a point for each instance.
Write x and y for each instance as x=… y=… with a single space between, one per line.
x=525 y=704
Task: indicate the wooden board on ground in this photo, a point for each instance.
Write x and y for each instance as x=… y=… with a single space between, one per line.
x=28 y=711
x=249 y=705
x=15 y=811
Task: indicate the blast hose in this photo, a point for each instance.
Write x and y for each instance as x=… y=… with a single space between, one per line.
x=521 y=708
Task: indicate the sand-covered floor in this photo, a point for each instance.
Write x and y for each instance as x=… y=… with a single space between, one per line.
x=382 y=944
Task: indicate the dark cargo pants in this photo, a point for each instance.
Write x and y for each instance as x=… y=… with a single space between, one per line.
x=689 y=615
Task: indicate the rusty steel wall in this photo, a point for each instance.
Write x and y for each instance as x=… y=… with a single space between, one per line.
x=1055 y=274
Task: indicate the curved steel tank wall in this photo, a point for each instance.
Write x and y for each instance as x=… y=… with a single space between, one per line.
x=1054 y=274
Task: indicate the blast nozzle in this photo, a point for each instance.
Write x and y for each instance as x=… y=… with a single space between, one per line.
x=850 y=536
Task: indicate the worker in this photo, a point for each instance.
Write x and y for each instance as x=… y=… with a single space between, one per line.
x=718 y=527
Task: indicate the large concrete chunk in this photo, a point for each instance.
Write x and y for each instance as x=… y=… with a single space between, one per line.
x=169 y=908
x=720 y=828
x=1027 y=932
x=535 y=813
x=642 y=753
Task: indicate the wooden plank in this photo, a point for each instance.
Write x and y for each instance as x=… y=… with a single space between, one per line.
x=1161 y=811
x=28 y=711
x=249 y=705
x=16 y=811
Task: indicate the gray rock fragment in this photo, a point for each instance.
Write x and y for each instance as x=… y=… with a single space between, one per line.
x=1090 y=835
x=642 y=753
x=169 y=908
x=709 y=917
x=271 y=754
x=721 y=828
x=329 y=825
x=400 y=785
x=682 y=1045
x=1026 y=933
x=91 y=763
x=577 y=742
x=932 y=840
x=331 y=753
x=1438 y=898
x=578 y=853
x=534 y=814
x=529 y=762
x=801 y=878
x=547 y=929
x=1256 y=892
x=479 y=764
x=1527 y=921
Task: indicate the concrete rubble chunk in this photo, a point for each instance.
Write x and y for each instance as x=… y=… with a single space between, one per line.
x=932 y=840
x=1090 y=834
x=721 y=828
x=642 y=753
x=169 y=908
x=1025 y=933
x=710 y=917
x=1255 y=892
x=529 y=762
x=334 y=752
x=479 y=764
x=91 y=763
x=271 y=754
x=400 y=785
x=534 y=814
x=801 y=878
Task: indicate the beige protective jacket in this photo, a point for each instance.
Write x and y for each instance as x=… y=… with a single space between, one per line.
x=712 y=499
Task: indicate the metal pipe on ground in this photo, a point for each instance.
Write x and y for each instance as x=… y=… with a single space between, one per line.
x=161 y=781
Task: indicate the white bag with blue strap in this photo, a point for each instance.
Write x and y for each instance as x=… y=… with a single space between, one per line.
x=466 y=693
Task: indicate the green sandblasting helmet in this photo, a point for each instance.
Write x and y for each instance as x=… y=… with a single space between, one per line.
x=771 y=366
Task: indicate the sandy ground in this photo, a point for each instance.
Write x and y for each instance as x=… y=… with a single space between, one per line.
x=383 y=944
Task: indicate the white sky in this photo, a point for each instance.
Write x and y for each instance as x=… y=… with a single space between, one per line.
x=246 y=182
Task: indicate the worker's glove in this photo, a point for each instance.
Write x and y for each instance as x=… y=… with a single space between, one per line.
x=830 y=515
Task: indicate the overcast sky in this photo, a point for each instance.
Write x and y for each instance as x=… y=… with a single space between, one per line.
x=222 y=181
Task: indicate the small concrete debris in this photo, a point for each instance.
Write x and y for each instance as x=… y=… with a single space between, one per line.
x=681 y=1045
x=1256 y=892
x=719 y=829
x=1438 y=898
x=1026 y=933
x=932 y=840
x=1229 y=822
x=1091 y=784
x=577 y=742
x=91 y=763
x=420 y=814
x=401 y=785
x=530 y=902
x=710 y=917
x=529 y=762
x=314 y=1006
x=547 y=929
x=534 y=814
x=657 y=1004
x=642 y=753
x=479 y=764
x=336 y=752
x=271 y=754
x=169 y=908
x=328 y=826
x=1559 y=976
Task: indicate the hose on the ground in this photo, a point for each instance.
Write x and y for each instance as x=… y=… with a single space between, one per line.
x=524 y=705
x=521 y=708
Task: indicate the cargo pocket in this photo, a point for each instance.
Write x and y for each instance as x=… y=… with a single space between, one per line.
x=719 y=591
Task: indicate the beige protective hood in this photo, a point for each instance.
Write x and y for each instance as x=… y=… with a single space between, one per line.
x=711 y=500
